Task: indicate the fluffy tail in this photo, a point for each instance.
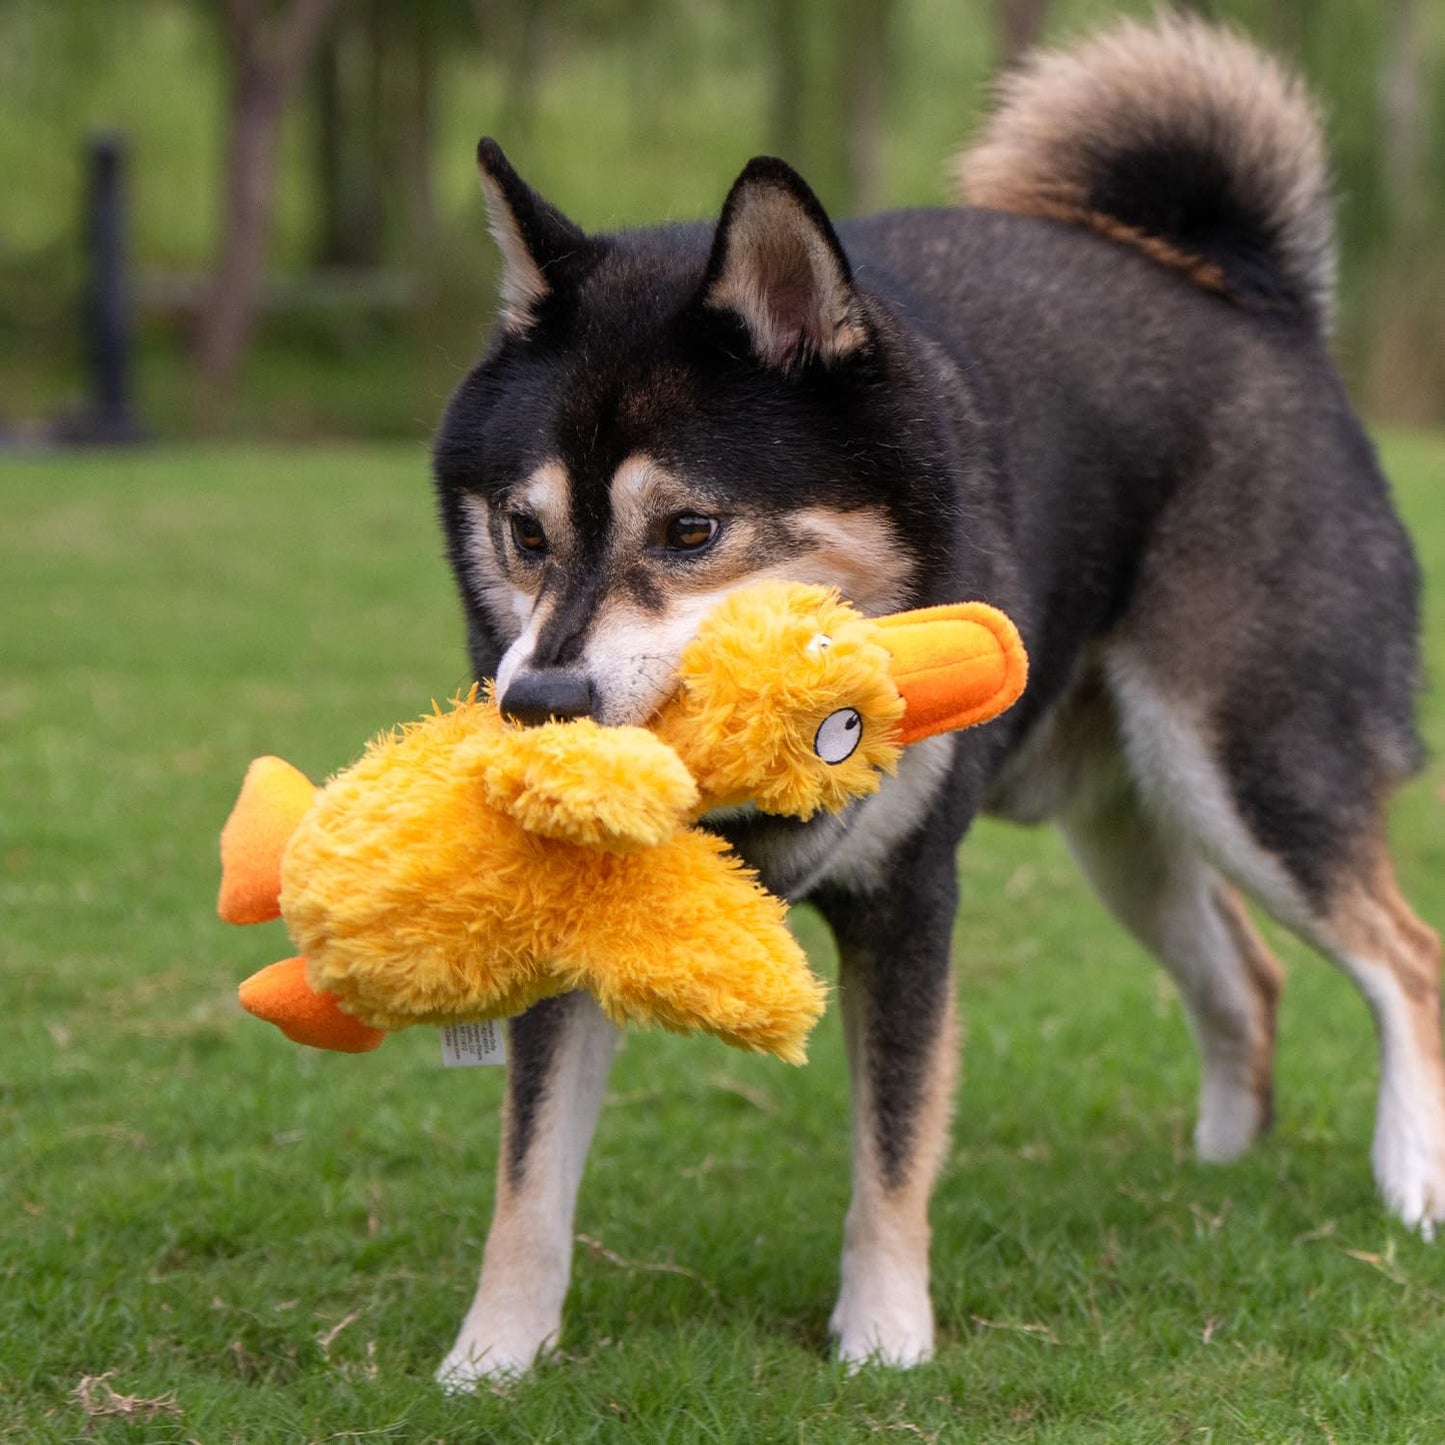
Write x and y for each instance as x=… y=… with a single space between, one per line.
x=1177 y=138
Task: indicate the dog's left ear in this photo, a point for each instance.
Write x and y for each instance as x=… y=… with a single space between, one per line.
x=776 y=263
x=540 y=246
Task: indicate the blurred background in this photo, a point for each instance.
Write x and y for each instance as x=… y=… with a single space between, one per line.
x=303 y=235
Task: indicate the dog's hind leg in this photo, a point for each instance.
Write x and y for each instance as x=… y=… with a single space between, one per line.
x=1367 y=928
x=1294 y=818
x=1157 y=883
x=559 y=1054
x=898 y=1019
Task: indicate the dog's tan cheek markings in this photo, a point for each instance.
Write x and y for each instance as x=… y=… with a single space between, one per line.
x=859 y=553
x=643 y=491
x=743 y=552
x=487 y=574
x=547 y=494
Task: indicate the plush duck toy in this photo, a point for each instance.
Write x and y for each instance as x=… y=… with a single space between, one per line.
x=466 y=867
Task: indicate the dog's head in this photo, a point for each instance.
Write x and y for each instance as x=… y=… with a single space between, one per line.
x=663 y=415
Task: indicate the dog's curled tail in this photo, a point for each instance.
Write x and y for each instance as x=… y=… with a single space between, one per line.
x=1178 y=138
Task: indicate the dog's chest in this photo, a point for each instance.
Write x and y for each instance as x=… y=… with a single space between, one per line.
x=854 y=850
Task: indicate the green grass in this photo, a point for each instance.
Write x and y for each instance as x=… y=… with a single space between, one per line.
x=284 y=1242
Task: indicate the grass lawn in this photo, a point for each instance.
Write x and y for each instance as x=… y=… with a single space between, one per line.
x=278 y=1245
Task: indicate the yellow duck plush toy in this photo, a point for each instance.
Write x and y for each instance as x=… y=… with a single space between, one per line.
x=466 y=867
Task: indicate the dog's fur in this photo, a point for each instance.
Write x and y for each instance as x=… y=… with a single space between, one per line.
x=1100 y=398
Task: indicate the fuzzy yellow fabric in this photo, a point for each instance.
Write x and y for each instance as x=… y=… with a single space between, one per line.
x=614 y=788
x=465 y=868
x=768 y=664
x=416 y=898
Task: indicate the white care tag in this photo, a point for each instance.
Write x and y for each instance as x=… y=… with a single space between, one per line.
x=464 y=1046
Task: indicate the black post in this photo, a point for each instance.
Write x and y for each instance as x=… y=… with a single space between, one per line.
x=107 y=415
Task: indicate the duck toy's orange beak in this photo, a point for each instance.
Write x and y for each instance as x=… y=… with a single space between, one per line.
x=955 y=666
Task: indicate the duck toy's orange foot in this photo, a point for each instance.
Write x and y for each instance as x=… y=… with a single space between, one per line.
x=281 y=995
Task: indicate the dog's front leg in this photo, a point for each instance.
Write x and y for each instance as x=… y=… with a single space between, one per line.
x=559 y=1053
x=898 y=1020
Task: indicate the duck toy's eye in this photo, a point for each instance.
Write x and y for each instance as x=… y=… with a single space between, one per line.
x=838 y=735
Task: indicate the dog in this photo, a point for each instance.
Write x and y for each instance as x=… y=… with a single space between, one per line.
x=1098 y=396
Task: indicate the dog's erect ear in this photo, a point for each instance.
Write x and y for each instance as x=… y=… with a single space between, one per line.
x=537 y=241
x=777 y=264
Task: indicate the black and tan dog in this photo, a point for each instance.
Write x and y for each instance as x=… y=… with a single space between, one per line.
x=1101 y=398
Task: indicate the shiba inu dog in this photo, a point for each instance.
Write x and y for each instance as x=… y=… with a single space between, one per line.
x=1099 y=396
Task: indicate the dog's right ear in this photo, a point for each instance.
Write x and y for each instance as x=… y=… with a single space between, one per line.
x=536 y=240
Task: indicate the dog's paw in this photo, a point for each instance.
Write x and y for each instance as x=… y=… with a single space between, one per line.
x=1232 y=1115
x=482 y=1358
x=888 y=1324
x=1409 y=1162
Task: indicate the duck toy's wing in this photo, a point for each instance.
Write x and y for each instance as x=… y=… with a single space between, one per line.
x=620 y=789
x=693 y=941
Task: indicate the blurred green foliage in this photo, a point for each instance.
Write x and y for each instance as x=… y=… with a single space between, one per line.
x=622 y=111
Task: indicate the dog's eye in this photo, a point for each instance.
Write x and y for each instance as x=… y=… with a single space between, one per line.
x=527 y=533
x=689 y=532
x=838 y=735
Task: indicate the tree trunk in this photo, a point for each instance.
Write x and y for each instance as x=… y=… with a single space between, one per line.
x=264 y=72
x=789 y=78
x=867 y=93
x=250 y=182
x=1020 y=22
x=419 y=133
x=1402 y=109
x=523 y=41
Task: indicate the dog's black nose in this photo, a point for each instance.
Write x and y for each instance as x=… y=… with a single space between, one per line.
x=537 y=697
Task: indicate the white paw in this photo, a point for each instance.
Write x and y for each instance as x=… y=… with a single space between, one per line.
x=483 y=1357
x=1409 y=1160
x=1231 y=1118
x=889 y=1323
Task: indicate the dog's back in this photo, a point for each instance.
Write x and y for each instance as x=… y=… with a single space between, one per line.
x=1102 y=399
x=1159 y=345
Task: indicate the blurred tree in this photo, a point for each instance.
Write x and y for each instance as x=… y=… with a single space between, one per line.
x=268 y=49
x=632 y=108
x=1402 y=105
x=789 y=77
x=417 y=132
x=831 y=74
x=348 y=187
x=868 y=53
x=374 y=93
x=526 y=50
x=1020 y=23
x=1405 y=374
